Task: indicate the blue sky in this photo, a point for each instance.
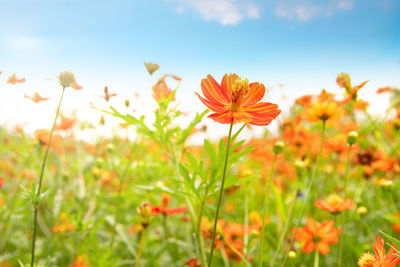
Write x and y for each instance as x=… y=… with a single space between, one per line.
x=302 y=44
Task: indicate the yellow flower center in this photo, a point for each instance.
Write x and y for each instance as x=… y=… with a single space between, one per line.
x=366 y=260
x=239 y=90
x=334 y=200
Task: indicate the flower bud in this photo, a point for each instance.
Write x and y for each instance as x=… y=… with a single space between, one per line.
x=278 y=147
x=110 y=148
x=300 y=164
x=292 y=254
x=66 y=79
x=144 y=211
x=127 y=103
x=362 y=210
x=352 y=137
x=102 y=120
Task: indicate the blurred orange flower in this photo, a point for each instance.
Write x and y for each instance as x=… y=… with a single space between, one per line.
x=64 y=225
x=235 y=100
x=65 y=123
x=324 y=111
x=386 y=89
x=317 y=235
x=76 y=86
x=14 y=80
x=163 y=208
x=80 y=261
x=379 y=259
x=36 y=97
x=161 y=90
x=344 y=81
x=335 y=204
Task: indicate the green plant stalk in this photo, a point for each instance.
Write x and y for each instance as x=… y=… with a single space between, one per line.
x=236 y=252
x=309 y=187
x=346 y=175
x=220 y=194
x=316 y=258
x=140 y=247
x=200 y=241
x=285 y=228
x=35 y=203
x=246 y=220
x=265 y=207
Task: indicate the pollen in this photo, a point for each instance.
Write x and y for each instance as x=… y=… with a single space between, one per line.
x=366 y=260
x=239 y=90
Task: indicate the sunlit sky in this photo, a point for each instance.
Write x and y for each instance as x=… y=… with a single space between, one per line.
x=300 y=44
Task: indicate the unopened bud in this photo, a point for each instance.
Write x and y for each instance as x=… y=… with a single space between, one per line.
x=292 y=254
x=352 y=137
x=278 y=147
x=300 y=164
x=144 y=211
x=127 y=103
x=362 y=210
x=66 y=79
x=102 y=120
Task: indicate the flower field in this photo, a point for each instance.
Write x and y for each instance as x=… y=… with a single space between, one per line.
x=321 y=190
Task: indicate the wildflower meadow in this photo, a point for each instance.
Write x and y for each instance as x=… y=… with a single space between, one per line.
x=225 y=171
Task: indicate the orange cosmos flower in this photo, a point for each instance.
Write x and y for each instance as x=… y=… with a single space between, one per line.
x=324 y=111
x=80 y=261
x=318 y=236
x=235 y=100
x=161 y=90
x=335 y=204
x=36 y=97
x=379 y=259
x=163 y=208
x=14 y=80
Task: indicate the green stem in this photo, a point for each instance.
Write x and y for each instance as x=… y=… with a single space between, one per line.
x=316 y=258
x=246 y=219
x=236 y=252
x=200 y=241
x=308 y=193
x=221 y=190
x=285 y=228
x=36 y=202
x=346 y=174
x=265 y=207
x=141 y=247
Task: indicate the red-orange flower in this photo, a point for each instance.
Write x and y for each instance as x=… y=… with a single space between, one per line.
x=379 y=259
x=235 y=100
x=335 y=204
x=36 y=97
x=163 y=208
x=107 y=95
x=317 y=235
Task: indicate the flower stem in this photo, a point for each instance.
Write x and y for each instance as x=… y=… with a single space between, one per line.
x=285 y=228
x=200 y=241
x=36 y=202
x=141 y=247
x=316 y=258
x=236 y=252
x=221 y=190
x=310 y=184
x=265 y=207
x=346 y=174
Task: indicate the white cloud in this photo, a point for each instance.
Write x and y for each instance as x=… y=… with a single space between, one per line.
x=226 y=12
x=307 y=10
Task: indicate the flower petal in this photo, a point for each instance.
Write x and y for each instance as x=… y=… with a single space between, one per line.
x=222 y=117
x=213 y=91
x=227 y=82
x=255 y=94
x=214 y=106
